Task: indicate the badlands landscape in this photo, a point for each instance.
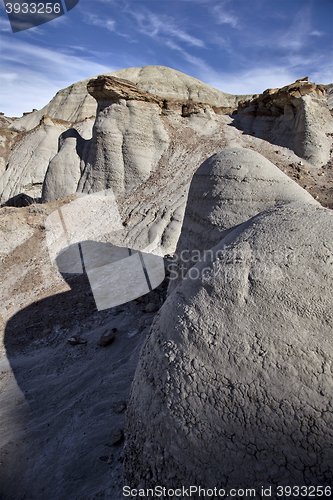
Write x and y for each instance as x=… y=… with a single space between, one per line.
x=210 y=361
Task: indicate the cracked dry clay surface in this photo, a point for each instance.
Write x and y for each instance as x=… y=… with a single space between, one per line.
x=234 y=383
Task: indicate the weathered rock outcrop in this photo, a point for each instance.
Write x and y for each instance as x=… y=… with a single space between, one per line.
x=234 y=385
x=65 y=169
x=74 y=103
x=110 y=88
x=128 y=137
x=226 y=190
x=177 y=117
x=29 y=159
x=295 y=116
x=192 y=130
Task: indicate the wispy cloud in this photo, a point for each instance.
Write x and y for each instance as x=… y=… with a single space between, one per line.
x=104 y=22
x=4 y=25
x=262 y=76
x=161 y=26
x=297 y=35
x=223 y=17
x=196 y=1
x=195 y=61
x=40 y=71
x=317 y=33
x=252 y=81
x=324 y=75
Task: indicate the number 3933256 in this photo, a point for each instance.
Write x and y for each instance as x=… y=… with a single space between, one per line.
x=23 y=14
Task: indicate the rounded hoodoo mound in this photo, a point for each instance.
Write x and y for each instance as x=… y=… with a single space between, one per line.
x=229 y=188
x=172 y=84
x=234 y=385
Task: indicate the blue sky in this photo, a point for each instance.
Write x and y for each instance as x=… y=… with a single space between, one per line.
x=238 y=46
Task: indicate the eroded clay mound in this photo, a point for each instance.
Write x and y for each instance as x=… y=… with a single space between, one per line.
x=234 y=385
x=74 y=103
x=29 y=160
x=228 y=189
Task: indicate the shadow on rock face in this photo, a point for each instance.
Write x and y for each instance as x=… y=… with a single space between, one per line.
x=81 y=143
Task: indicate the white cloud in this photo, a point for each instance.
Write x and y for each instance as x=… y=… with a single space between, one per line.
x=196 y=1
x=32 y=74
x=104 y=22
x=258 y=79
x=193 y=60
x=159 y=26
x=323 y=76
x=297 y=36
x=5 y=25
x=224 y=17
x=253 y=81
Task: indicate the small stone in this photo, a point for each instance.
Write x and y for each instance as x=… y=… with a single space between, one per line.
x=132 y=333
x=75 y=339
x=107 y=337
x=117 y=437
x=152 y=307
x=47 y=331
x=110 y=459
x=104 y=458
x=119 y=407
